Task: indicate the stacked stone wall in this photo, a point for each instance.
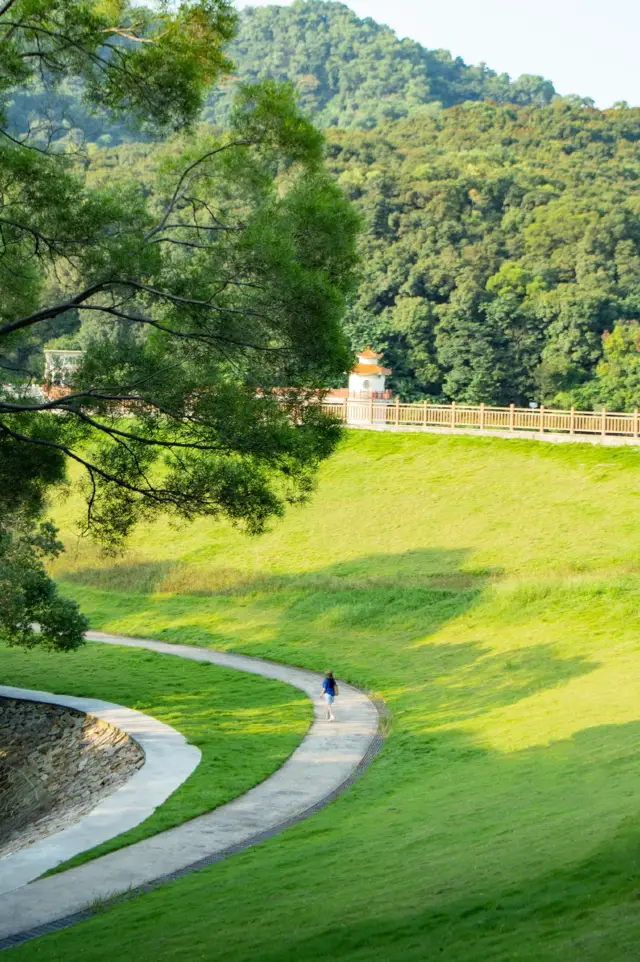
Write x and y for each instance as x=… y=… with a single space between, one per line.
x=55 y=766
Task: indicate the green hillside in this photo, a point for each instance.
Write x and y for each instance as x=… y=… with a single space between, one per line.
x=489 y=591
x=348 y=72
x=499 y=246
x=351 y=72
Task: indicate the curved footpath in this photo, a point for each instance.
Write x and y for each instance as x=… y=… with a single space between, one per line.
x=328 y=760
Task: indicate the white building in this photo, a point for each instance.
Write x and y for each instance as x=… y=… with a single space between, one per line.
x=60 y=366
x=367 y=379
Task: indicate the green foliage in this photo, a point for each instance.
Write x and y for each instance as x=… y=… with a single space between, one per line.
x=196 y=306
x=617 y=381
x=28 y=595
x=155 y=67
x=500 y=245
x=194 y=290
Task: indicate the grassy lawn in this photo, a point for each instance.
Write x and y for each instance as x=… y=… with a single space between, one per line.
x=490 y=591
x=245 y=726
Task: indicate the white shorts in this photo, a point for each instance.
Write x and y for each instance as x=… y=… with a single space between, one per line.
x=328 y=697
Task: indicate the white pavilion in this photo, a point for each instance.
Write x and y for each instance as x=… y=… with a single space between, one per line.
x=60 y=366
x=366 y=400
x=367 y=379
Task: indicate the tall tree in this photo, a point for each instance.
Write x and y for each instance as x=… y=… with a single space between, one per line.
x=200 y=297
x=617 y=381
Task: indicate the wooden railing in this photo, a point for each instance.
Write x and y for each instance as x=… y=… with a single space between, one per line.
x=344 y=392
x=483 y=417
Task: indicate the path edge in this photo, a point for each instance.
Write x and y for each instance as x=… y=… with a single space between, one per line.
x=120 y=810
x=375 y=745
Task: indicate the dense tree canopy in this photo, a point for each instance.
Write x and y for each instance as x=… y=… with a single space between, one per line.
x=616 y=385
x=197 y=294
x=500 y=245
x=357 y=73
x=348 y=72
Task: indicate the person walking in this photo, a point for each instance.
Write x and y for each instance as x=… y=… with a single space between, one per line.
x=329 y=692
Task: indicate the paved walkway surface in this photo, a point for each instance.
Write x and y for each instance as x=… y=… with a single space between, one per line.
x=323 y=764
x=168 y=762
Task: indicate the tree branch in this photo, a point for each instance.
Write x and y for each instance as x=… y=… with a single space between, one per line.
x=181 y=243
x=188 y=301
x=50 y=241
x=183 y=176
x=141 y=439
x=7 y=6
x=62 y=403
x=49 y=312
x=160 y=495
x=23 y=143
x=122 y=32
x=206 y=227
x=206 y=338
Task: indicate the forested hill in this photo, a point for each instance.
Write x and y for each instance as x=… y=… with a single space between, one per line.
x=502 y=231
x=357 y=73
x=501 y=245
x=348 y=73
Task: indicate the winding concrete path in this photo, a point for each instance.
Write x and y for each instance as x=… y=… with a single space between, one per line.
x=324 y=764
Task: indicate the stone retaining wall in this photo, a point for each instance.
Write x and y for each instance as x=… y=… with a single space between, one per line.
x=55 y=766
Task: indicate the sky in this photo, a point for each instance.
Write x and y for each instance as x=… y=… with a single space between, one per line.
x=586 y=47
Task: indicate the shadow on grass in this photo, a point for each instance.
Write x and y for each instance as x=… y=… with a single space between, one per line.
x=582 y=905
x=420 y=568
x=500 y=857
x=447 y=845
x=372 y=619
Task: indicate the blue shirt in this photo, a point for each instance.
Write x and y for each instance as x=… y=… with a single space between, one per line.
x=329 y=686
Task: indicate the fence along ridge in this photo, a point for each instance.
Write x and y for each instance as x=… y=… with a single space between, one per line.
x=483 y=417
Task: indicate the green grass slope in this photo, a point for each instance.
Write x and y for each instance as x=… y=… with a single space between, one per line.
x=489 y=590
x=245 y=726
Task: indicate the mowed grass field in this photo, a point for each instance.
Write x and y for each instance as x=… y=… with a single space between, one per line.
x=245 y=726
x=490 y=592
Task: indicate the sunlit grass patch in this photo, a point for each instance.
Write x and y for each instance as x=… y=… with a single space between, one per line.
x=490 y=592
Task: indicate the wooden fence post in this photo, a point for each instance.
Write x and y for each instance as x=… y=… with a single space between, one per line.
x=511 y=416
x=424 y=414
x=572 y=421
x=345 y=410
x=397 y=410
x=635 y=423
x=603 y=424
x=453 y=414
x=371 y=410
x=542 y=419
x=482 y=416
